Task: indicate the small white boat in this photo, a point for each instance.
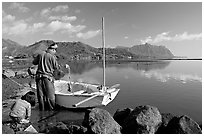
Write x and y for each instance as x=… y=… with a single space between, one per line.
x=83 y=95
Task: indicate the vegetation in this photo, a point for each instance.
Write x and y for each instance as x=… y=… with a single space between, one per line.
x=81 y=51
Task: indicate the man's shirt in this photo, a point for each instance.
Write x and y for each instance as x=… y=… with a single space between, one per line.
x=47 y=64
x=21 y=108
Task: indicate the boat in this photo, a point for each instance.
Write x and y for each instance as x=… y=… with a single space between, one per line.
x=83 y=95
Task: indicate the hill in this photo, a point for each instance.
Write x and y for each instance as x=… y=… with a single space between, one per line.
x=79 y=50
x=9 y=47
x=151 y=51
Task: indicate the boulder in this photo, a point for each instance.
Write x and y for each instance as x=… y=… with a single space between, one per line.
x=99 y=121
x=166 y=117
x=56 y=128
x=120 y=115
x=183 y=125
x=142 y=120
x=32 y=70
x=8 y=73
x=6 y=129
x=75 y=129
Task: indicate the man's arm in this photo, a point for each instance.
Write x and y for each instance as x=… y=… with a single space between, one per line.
x=36 y=60
x=56 y=66
x=28 y=110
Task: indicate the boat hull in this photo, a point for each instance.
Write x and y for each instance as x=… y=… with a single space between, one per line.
x=68 y=99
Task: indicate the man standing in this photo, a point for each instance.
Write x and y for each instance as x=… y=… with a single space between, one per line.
x=47 y=64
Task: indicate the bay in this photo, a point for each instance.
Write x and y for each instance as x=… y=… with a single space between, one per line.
x=171 y=86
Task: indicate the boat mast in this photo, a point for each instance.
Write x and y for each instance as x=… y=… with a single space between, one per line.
x=104 y=54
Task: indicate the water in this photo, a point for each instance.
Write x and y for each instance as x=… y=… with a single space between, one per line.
x=171 y=86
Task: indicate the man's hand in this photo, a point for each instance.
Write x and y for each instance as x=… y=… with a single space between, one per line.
x=67 y=67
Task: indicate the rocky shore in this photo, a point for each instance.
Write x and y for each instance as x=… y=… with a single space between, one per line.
x=144 y=119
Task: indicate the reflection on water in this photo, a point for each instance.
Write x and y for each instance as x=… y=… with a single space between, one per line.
x=82 y=67
x=164 y=77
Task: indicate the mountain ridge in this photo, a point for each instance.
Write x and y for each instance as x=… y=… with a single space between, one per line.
x=77 y=49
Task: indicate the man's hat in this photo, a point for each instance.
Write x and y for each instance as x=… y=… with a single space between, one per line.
x=53 y=46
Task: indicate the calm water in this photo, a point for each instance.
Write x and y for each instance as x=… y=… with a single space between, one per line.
x=171 y=86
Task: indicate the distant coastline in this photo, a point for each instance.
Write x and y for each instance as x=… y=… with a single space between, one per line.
x=183 y=59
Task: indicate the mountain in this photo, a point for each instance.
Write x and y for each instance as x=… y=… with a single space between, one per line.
x=9 y=47
x=75 y=48
x=36 y=48
x=151 y=51
x=79 y=50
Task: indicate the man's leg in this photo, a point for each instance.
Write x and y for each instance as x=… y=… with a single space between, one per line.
x=40 y=95
x=50 y=93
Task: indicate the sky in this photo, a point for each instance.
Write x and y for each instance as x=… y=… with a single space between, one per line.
x=175 y=25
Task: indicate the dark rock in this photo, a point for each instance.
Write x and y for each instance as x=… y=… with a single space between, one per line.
x=166 y=117
x=6 y=129
x=58 y=128
x=120 y=115
x=142 y=120
x=99 y=121
x=75 y=129
x=183 y=125
x=25 y=132
x=200 y=126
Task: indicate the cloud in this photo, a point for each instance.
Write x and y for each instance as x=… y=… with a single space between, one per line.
x=19 y=6
x=126 y=37
x=88 y=35
x=45 y=12
x=48 y=11
x=63 y=18
x=11 y=26
x=186 y=36
x=7 y=18
x=61 y=8
x=162 y=37
x=166 y=37
x=22 y=28
x=147 y=40
x=17 y=28
x=55 y=26
x=37 y=27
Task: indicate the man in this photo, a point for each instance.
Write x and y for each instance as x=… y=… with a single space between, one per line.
x=47 y=64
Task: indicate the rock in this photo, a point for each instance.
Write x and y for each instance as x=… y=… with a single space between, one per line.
x=166 y=117
x=8 y=73
x=25 y=132
x=142 y=120
x=58 y=128
x=32 y=70
x=21 y=74
x=120 y=115
x=183 y=125
x=99 y=121
x=6 y=129
x=75 y=129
